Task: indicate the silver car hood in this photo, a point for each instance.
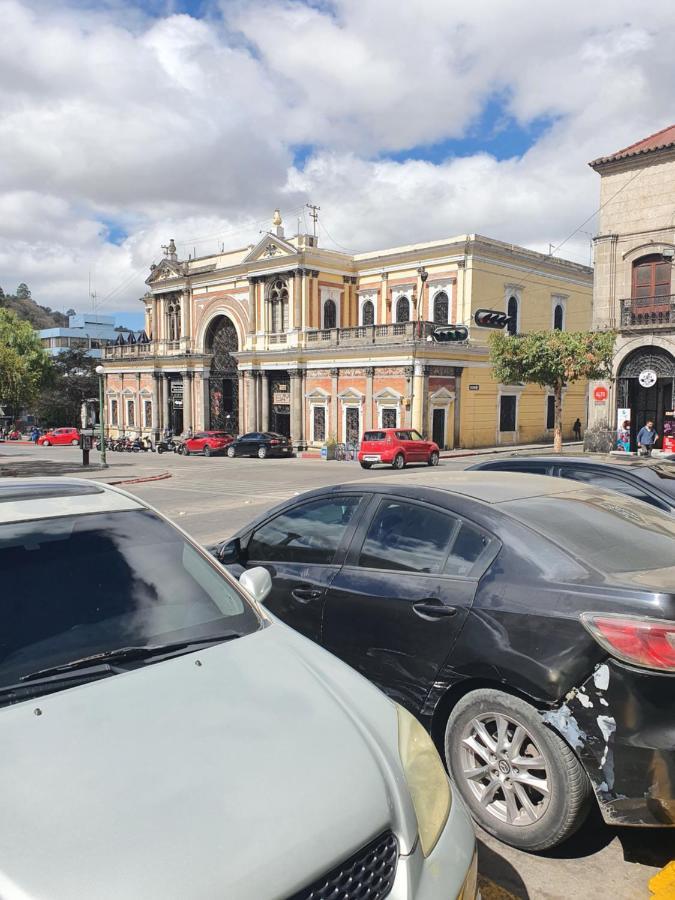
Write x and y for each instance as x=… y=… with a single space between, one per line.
x=247 y=776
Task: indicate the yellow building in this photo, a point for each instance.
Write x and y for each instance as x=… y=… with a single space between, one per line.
x=317 y=344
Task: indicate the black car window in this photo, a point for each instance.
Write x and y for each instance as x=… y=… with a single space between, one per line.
x=251 y=436
x=408 y=537
x=374 y=436
x=467 y=548
x=630 y=488
x=310 y=533
x=531 y=468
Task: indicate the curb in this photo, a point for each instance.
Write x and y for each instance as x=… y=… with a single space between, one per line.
x=495 y=450
x=161 y=477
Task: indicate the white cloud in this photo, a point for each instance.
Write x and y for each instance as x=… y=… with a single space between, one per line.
x=174 y=126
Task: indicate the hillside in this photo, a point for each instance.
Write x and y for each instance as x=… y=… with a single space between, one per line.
x=26 y=308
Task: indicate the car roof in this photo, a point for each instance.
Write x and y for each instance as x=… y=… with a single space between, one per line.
x=623 y=460
x=28 y=499
x=484 y=486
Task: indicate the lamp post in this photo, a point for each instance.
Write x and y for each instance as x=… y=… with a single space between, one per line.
x=423 y=274
x=100 y=371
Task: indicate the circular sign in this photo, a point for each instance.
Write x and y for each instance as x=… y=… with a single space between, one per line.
x=647 y=378
x=600 y=393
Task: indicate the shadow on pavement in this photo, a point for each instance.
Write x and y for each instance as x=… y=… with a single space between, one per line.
x=592 y=837
x=501 y=875
x=33 y=467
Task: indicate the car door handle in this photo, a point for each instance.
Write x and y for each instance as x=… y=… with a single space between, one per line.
x=433 y=608
x=304 y=595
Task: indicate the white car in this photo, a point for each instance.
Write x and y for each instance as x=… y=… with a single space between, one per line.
x=163 y=737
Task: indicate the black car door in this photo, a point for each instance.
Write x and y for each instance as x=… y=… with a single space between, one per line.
x=396 y=607
x=622 y=483
x=299 y=546
x=248 y=444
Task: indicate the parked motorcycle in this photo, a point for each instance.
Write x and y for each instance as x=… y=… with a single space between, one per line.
x=168 y=445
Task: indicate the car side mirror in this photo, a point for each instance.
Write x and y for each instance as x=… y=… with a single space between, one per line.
x=228 y=552
x=258 y=583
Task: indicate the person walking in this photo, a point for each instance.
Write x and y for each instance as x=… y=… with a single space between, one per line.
x=577 y=429
x=646 y=439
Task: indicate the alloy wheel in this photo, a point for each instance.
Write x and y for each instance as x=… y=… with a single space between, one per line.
x=505 y=769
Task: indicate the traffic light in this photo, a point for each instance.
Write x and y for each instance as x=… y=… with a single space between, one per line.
x=491 y=318
x=449 y=334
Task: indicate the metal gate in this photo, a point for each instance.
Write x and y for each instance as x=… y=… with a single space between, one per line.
x=221 y=341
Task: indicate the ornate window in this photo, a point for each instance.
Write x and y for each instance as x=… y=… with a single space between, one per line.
x=173 y=329
x=278 y=298
x=131 y=413
x=147 y=413
x=319 y=423
x=512 y=312
x=368 y=313
x=114 y=413
x=441 y=309
x=403 y=309
x=558 y=315
x=651 y=279
x=329 y=314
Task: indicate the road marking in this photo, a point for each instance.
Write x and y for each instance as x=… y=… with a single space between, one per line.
x=662 y=885
x=490 y=890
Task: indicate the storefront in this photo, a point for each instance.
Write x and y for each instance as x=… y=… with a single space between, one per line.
x=646 y=390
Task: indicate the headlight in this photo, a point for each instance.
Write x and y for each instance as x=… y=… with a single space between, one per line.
x=427 y=781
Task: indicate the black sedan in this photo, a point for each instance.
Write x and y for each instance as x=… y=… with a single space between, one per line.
x=261 y=444
x=529 y=623
x=650 y=480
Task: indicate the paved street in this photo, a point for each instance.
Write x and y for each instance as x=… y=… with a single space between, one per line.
x=211 y=498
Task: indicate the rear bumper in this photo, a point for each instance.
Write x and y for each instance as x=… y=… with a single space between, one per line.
x=365 y=456
x=621 y=722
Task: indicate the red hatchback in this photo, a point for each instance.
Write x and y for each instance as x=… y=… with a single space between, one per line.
x=208 y=443
x=397 y=447
x=60 y=436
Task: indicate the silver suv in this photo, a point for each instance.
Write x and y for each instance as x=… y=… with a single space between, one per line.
x=163 y=737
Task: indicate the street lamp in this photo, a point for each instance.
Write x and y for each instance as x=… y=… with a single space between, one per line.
x=423 y=275
x=100 y=371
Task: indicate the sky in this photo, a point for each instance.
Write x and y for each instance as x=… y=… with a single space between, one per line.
x=125 y=124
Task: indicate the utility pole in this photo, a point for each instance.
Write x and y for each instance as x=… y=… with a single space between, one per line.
x=423 y=275
x=314 y=214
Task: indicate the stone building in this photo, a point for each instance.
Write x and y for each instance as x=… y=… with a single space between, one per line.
x=318 y=344
x=633 y=291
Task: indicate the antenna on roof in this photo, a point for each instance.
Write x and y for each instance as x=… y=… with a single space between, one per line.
x=314 y=214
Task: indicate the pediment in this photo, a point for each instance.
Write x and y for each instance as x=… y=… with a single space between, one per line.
x=351 y=394
x=442 y=394
x=387 y=395
x=318 y=394
x=271 y=246
x=168 y=268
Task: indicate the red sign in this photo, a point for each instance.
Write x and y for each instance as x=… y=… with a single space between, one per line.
x=600 y=394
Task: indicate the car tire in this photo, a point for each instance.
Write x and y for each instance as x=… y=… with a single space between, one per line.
x=262 y=452
x=231 y=452
x=399 y=461
x=549 y=820
x=160 y=450
x=433 y=459
x=207 y=450
x=46 y=443
x=366 y=465
x=74 y=443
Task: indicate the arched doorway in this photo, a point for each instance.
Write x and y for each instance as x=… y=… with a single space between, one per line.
x=221 y=340
x=652 y=398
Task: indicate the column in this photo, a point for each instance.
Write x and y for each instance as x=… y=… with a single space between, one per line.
x=297 y=298
x=333 y=425
x=240 y=425
x=418 y=398
x=265 y=402
x=251 y=423
x=252 y=283
x=384 y=295
x=409 y=372
x=426 y=426
x=296 y=406
x=155 y=406
x=206 y=400
x=187 y=400
x=370 y=372
x=165 y=400
x=457 y=411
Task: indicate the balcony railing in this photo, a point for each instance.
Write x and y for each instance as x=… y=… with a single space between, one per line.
x=648 y=312
x=363 y=335
x=141 y=351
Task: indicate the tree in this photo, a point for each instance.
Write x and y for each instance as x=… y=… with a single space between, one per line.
x=24 y=366
x=23 y=292
x=552 y=359
x=73 y=379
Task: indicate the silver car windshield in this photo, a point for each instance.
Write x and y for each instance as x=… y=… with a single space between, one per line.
x=75 y=586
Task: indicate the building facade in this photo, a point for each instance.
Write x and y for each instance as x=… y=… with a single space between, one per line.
x=88 y=332
x=321 y=345
x=633 y=292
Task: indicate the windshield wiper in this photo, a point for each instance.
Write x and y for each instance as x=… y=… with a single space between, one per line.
x=126 y=653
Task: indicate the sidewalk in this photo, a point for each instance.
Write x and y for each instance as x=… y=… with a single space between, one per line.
x=123 y=472
x=511 y=448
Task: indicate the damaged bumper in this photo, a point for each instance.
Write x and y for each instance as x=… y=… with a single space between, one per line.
x=621 y=722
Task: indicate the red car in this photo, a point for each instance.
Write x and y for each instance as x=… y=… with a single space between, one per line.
x=60 y=436
x=397 y=447
x=208 y=443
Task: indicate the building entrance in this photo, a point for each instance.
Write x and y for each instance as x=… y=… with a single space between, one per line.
x=280 y=404
x=221 y=340
x=647 y=397
x=438 y=428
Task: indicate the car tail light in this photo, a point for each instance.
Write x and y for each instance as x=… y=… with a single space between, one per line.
x=640 y=640
x=274 y=441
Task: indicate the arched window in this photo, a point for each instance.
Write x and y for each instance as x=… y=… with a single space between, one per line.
x=512 y=312
x=403 y=309
x=441 y=309
x=368 y=313
x=278 y=297
x=173 y=320
x=558 y=317
x=329 y=314
x=651 y=280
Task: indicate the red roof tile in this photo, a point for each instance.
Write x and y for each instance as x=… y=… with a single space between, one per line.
x=658 y=141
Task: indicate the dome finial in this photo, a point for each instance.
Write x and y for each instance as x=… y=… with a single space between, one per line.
x=276 y=222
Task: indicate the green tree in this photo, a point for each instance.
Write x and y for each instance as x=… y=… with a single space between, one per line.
x=23 y=292
x=73 y=379
x=24 y=366
x=552 y=359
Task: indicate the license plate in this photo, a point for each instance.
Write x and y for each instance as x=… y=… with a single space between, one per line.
x=371 y=457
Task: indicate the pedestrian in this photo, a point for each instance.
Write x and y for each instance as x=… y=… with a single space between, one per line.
x=646 y=439
x=577 y=429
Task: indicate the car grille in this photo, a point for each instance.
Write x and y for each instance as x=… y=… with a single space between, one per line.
x=367 y=875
